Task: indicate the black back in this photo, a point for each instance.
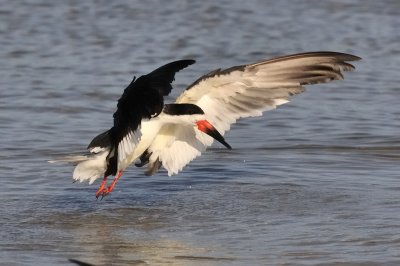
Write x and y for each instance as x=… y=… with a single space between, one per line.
x=142 y=99
x=182 y=109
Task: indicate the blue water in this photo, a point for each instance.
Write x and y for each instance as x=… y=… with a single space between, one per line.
x=314 y=182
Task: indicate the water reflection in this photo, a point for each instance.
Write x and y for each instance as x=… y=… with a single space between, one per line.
x=120 y=236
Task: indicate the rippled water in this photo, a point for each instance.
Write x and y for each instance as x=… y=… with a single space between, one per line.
x=314 y=182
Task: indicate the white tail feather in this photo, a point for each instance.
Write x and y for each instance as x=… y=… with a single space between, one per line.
x=74 y=159
x=88 y=167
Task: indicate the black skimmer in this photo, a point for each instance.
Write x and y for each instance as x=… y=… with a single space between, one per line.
x=150 y=132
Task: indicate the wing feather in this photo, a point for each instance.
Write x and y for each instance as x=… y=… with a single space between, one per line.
x=244 y=91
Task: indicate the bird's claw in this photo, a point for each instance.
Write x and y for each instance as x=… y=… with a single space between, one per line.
x=103 y=193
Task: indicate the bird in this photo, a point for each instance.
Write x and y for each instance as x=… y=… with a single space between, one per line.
x=148 y=132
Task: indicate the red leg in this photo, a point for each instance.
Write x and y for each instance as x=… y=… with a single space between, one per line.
x=101 y=188
x=110 y=188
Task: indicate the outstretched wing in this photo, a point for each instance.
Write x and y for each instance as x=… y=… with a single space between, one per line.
x=245 y=91
x=142 y=99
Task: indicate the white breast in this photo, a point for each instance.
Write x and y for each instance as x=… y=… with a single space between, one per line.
x=149 y=130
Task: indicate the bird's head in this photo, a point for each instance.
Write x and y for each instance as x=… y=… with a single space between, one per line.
x=191 y=114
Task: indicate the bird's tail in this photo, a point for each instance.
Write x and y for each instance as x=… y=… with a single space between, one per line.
x=72 y=159
x=88 y=167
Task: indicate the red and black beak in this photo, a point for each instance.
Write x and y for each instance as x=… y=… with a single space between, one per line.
x=206 y=127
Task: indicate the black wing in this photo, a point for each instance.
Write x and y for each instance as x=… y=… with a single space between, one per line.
x=142 y=99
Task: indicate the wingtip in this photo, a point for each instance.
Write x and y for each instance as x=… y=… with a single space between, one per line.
x=351 y=57
x=345 y=56
x=188 y=62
